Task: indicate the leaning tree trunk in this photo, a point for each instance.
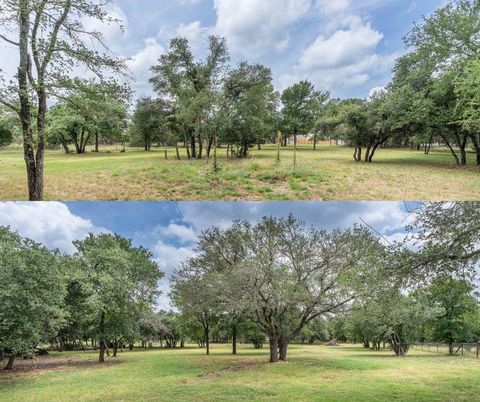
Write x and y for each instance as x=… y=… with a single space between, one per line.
x=367 y=153
x=209 y=146
x=457 y=160
x=177 y=151
x=9 y=365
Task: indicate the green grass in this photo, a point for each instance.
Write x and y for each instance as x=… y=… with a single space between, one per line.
x=346 y=373
x=327 y=174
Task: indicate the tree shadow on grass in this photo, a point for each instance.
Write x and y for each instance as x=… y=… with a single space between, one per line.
x=54 y=363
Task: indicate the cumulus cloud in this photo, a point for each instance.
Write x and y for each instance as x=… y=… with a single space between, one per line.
x=168 y=257
x=254 y=28
x=140 y=63
x=343 y=48
x=345 y=55
x=112 y=30
x=49 y=223
x=183 y=234
x=195 y=32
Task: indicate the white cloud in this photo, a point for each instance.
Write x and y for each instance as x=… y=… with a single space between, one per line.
x=141 y=62
x=254 y=27
x=49 y=223
x=327 y=7
x=196 y=34
x=169 y=257
x=113 y=30
x=345 y=57
x=343 y=48
x=183 y=233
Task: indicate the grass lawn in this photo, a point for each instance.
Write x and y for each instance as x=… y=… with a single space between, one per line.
x=327 y=174
x=346 y=373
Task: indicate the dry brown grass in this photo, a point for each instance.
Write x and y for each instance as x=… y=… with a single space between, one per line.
x=327 y=174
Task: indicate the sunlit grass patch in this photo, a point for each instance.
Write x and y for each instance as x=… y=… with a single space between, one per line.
x=328 y=173
x=313 y=372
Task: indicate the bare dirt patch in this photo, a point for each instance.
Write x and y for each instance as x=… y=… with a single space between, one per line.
x=233 y=367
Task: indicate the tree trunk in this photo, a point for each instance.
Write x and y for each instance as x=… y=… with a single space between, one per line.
x=34 y=163
x=476 y=144
x=200 y=148
x=64 y=144
x=207 y=339
x=101 y=357
x=96 y=141
x=115 y=349
x=295 y=148
x=177 y=151
x=273 y=349
x=357 y=155
x=209 y=147
x=187 y=147
x=234 y=340
x=462 y=144
x=9 y=365
x=315 y=141
x=193 y=146
x=283 y=350
x=457 y=160
x=367 y=154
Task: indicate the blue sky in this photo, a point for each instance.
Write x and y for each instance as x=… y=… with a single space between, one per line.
x=170 y=230
x=346 y=46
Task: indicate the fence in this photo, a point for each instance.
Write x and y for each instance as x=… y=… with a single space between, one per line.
x=459 y=349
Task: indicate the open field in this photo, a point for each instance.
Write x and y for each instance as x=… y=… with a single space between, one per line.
x=343 y=373
x=327 y=174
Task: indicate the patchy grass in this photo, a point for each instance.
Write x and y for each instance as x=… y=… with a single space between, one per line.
x=327 y=174
x=320 y=373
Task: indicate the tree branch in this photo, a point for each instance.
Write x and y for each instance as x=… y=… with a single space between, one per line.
x=9 y=40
